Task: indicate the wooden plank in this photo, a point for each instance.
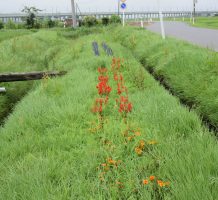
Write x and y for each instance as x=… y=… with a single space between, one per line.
x=2 y=90
x=12 y=77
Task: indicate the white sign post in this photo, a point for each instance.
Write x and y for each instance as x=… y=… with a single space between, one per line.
x=123 y=6
x=123 y=17
x=142 y=23
x=194 y=10
x=161 y=21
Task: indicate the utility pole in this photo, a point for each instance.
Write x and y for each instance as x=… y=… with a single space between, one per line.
x=194 y=10
x=73 y=14
x=118 y=7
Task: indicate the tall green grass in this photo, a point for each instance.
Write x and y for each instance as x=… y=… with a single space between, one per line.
x=189 y=71
x=28 y=53
x=8 y=34
x=48 y=152
x=32 y=53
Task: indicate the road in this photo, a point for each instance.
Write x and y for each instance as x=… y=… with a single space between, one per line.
x=200 y=36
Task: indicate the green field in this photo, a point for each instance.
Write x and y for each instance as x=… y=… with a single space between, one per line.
x=54 y=147
x=202 y=22
x=207 y=22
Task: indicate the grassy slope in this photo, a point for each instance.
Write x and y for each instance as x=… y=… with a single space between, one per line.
x=23 y=54
x=47 y=151
x=7 y=34
x=191 y=72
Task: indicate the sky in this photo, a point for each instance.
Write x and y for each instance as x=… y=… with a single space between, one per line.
x=53 y=6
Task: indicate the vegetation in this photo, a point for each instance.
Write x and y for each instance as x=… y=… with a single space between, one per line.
x=31 y=19
x=10 y=25
x=58 y=145
x=1 y=25
x=204 y=22
x=207 y=22
x=115 y=19
x=89 y=21
x=23 y=54
x=190 y=72
x=82 y=31
x=105 y=21
x=7 y=34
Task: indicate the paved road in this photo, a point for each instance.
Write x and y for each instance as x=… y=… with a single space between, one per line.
x=200 y=36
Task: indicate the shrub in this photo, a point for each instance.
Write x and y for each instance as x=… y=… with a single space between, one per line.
x=50 y=23
x=20 y=26
x=105 y=21
x=31 y=19
x=81 y=23
x=59 y=23
x=37 y=24
x=1 y=25
x=10 y=25
x=90 y=21
x=115 y=19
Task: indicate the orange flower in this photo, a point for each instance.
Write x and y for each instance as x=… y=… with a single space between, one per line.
x=138 y=151
x=142 y=144
x=104 y=165
x=145 y=181
x=111 y=161
x=160 y=183
x=152 y=178
x=137 y=133
x=130 y=138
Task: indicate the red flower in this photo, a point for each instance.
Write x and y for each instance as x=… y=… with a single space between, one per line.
x=102 y=70
x=124 y=105
x=103 y=88
x=103 y=78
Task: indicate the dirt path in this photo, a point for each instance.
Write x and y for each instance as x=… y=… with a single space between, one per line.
x=200 y=36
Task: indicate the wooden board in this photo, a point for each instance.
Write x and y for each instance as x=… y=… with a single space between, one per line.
x=12 y=77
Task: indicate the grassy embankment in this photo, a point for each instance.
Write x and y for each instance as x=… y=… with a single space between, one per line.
x=52 y=147
x=24 y=54
x=33 y=52
x=7 y=34
x=189 y=71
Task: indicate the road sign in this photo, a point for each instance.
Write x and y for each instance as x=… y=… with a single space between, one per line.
x=123 y=6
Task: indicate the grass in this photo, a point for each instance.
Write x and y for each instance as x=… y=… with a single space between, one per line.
x=207 y=22
x=202 y=22
x=189 y=71
x=48 y=151
x=24 y=54
x=8 y=34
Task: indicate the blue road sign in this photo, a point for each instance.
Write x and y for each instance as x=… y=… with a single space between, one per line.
x=123 y=6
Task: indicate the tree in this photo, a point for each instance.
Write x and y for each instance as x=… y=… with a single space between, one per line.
x=1 y=25
x=115 y=19
x=31 y=19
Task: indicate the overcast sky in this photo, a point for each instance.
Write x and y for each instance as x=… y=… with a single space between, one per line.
x=9 y=6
